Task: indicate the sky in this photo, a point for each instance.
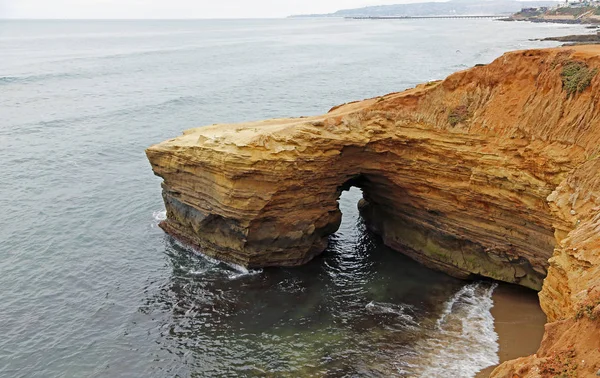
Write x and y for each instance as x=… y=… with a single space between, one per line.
x=177 y=8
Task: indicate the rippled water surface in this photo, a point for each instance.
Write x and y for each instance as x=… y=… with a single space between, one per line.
x=90 y=286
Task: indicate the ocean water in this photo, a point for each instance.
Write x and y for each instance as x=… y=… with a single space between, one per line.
x=91 y=287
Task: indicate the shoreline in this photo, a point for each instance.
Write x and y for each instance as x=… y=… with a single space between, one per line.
x=518 y=321
x=550 y=21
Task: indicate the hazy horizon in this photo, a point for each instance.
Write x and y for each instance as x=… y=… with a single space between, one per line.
x=178 y=9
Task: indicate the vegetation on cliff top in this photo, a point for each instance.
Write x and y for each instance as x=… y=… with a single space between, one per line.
x=576 y=77
x=587 y=308
x=575 y=12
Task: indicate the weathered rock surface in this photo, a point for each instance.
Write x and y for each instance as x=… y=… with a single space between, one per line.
x=490 y=172
x=571 y=293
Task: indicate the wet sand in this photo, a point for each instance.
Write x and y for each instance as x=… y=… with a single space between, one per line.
x=519 y=323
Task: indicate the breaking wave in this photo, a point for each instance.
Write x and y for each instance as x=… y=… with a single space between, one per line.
x=462 y=341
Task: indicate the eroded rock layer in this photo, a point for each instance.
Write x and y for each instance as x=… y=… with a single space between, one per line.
x=487 y=173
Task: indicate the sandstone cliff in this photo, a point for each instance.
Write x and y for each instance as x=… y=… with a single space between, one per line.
x=491 y=172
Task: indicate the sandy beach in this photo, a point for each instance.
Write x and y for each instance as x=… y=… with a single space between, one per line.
x=519 y=322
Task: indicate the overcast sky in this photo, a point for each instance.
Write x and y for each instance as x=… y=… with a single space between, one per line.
x=176 y=8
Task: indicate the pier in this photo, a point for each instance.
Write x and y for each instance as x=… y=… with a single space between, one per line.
x=419 y=17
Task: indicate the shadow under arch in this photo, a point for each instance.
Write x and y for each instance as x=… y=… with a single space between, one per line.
x=420 y=231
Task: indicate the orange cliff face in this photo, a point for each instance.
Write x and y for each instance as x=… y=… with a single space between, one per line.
x=494 y=172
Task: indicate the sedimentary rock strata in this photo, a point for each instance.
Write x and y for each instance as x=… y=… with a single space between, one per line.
x=491 y=172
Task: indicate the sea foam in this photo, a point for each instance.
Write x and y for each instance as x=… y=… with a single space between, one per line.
x=462 y=341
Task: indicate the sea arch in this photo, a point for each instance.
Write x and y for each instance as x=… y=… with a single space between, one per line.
x=265 y=194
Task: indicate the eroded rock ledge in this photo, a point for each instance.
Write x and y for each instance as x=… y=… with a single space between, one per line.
x=489 y=172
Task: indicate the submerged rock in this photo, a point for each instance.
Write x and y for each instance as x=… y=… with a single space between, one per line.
x=489 y=172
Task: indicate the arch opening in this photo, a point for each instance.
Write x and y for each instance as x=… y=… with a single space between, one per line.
x=418 y=228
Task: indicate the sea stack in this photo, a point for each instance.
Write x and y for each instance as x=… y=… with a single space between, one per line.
x=493 y=172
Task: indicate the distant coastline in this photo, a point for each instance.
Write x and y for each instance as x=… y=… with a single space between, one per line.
x=448 y=8
x=574 y=12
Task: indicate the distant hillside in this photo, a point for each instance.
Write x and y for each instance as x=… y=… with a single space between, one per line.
x=577 y=13
x=455 y=7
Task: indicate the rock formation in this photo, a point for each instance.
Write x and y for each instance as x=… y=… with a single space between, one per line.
x=493 y=172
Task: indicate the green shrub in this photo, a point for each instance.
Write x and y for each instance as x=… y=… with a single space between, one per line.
x=576 y=77
x=570 y=11
x=587 y=309
x=458 y=115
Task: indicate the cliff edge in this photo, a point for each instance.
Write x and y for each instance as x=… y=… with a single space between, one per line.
x=493 y=172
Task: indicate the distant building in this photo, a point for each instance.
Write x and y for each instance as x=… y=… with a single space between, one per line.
x=534 y=10
x=578 y=3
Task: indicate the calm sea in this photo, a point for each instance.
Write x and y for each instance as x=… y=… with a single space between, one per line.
x=91 y=287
